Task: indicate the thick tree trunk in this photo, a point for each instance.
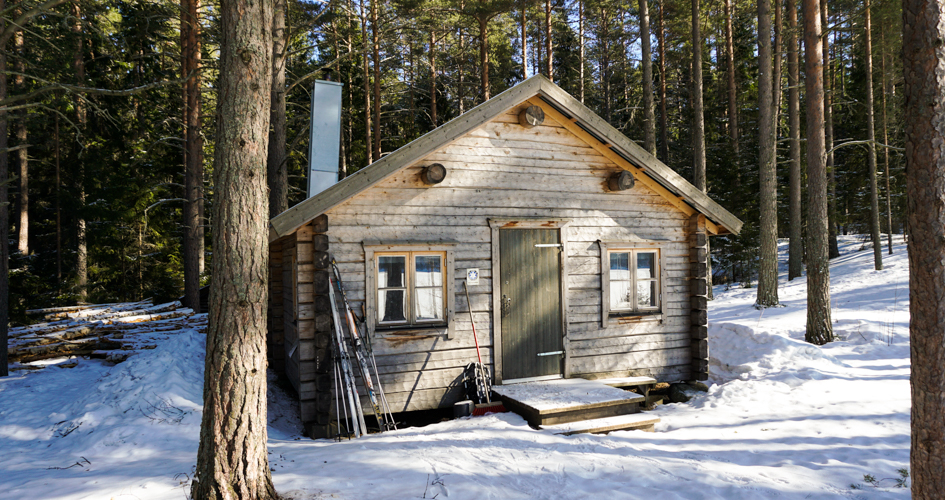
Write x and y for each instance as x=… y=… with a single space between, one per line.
x=819 y=325
x=698 y=119
x=661 y=47
x=730 y=69
x=232 y=460
x=58 y=213
x=277 y=169
x=376 y=55
x=82 y=252
x=796 y=248
x=889 y=221
x=4 y=215
x=834 y=247
x=871 y=137
x=22 y=157
x=193 y=153
x=767 y=172
x=923 y=59
x=649 y=114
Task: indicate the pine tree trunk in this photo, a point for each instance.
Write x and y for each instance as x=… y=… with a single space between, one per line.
x=923 y=59
x=834 y=247
x=549 y=65
x=368 y=141
x=732 y=89
x=232 y=460
x=871 y=137
x=581 y=50
x=796 y=248
x=484 y=56
x=376 y=54
x=525 y=43
x=889 y=221
x=277 y=169
x=698 y=125
x=433 y=79
x=819 y=325
x=4 y=215
x=23 y=228
x=661 y=46
x=58 y=212
x=649 y=114
x=193 y=153
x=82 y=252
x=776 y=88
x=767 y=170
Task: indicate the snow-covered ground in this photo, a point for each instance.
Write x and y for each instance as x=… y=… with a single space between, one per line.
x=782 y=418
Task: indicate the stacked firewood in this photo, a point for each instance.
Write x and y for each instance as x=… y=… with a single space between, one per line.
x=108 y=331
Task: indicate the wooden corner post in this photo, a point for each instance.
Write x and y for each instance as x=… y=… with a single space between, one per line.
x=698 y=293
x=315 y=328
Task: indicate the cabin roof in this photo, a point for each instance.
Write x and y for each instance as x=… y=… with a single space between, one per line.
x=576 y=117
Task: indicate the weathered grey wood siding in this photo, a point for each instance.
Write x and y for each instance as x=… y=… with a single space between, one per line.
x=503 y=170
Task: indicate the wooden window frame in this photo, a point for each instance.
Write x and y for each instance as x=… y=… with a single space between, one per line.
x=610 y=317
x=373 y=250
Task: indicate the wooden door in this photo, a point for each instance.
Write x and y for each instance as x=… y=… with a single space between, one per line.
x=530 y=288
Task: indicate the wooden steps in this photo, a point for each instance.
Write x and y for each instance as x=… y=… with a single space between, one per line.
x=640 y=421
x=563 y=401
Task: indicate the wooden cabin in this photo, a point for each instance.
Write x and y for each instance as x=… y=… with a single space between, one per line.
x=585 y=257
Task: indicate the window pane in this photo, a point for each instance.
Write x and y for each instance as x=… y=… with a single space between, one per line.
x=429 y=271
x=646 y=294
x=391 y=270
x=619 y=266
x=429 y=304
x=620 y=295
x=390 y=306
x=646 y=266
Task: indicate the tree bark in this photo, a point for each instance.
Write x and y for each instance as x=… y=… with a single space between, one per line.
x=82 y=252
x=661 y=47
x=232 y=459
x=4 y=215
x=433 y=78
x=732 y=89
x=58 y=213
x=796 y=248
x=484 y=56
x=525 y=42
x=819 y=325
x=698 y=125
x=278 y=177
x=581 y=50
x=871 y=146
x=649 y=114
x=834 y=247
x=923 y=59
x=549 y=66
x=193 y=152
x=767 y=170
x=776 y=88
x=368 y=141
x=889 y=221
x=376 y=55
x=22 y=156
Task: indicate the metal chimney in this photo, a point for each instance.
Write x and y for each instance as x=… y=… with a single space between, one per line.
x=325 y=141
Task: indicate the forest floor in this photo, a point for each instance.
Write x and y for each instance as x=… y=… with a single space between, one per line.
x=782 y=419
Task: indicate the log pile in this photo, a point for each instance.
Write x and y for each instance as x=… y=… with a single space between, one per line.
x=108 y=331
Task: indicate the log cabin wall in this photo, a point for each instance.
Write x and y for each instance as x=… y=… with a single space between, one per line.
x=289 y=311
x=503 y=170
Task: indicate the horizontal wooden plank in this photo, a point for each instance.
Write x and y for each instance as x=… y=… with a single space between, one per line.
x=604 y=363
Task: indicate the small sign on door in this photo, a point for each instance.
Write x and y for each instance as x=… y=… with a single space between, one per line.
x=472 y=276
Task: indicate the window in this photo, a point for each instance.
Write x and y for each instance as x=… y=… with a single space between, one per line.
x=408 y=288
x=631 y=281
x=634 y=281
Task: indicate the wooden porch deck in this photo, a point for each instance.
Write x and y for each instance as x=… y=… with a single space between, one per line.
x=597 y=404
